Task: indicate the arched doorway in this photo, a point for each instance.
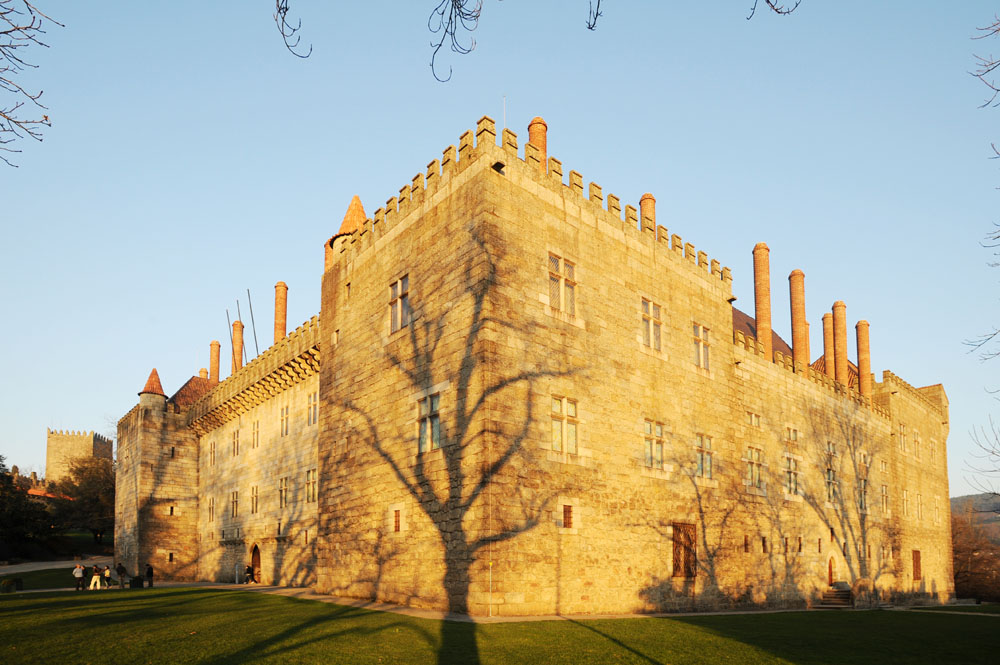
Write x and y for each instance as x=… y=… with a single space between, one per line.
x=829 y=572
x=255 y=563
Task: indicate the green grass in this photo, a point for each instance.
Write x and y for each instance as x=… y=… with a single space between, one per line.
x=218 y=627
x=52 y=578
x=985 y=608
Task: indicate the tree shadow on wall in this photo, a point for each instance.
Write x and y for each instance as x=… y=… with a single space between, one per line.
x=457 y=344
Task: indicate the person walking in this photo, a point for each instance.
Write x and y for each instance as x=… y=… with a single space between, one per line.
x=120 y=569
x=95 y=579
x=106 y=577
x=78 y=573
x=149 y=576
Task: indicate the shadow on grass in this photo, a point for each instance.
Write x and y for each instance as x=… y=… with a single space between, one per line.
x=588 y=626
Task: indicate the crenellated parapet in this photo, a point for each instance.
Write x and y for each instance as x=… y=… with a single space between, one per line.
x=893 y=381
x=632 y=225
x=291 y=360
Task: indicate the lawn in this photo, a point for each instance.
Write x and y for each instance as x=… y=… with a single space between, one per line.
x=985 y=608
x=52 y=578
x=219 y=627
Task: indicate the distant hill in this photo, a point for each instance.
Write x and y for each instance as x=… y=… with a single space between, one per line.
x=987 y=507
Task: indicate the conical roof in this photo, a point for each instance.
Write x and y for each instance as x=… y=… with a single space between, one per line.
x=153 y=386
x=353 y=218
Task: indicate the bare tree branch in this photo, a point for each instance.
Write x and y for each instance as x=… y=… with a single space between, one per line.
x=21 y=25
x=289 y=32
x=775 y=7
x=594 y=14
x=446 y=20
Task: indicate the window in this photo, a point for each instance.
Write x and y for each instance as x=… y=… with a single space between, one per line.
x=703 y=450
x=753 y=419
x=906 y=503
x=347 y=296
x=211 y=453
x=235 y=503
x=754 y=467
x=786 y=543
x=654 y=443
x=399 y=304
x=564 y=425
x=211 y=509
x=700 y=346
x=800 y=544
x=284 y=421
x=685 y=550
x=170 y=557
x=746 y=544
x=312 y=409
x=255 y=434
x=763 y=544
x=916 y=445
x=884 y=498
x=171 y=510
x=937 y=510
x=562 y=285
x=651 y=324
x=396 y=521
x=819 y=545
x=311 y=485
x=283 y=492
x=791 y=475
x=791 y=434
x=831 y=484
x=429 y=434
x=236 y=442
x=567 y=521
x=253 y=500
x=171 y=451
x=916 y=566
x=920 y=506
x=931 y=449
x=883 y=466
x=902 y=438
x=863 y=494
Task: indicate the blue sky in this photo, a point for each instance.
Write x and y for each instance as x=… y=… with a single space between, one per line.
x=191 y=158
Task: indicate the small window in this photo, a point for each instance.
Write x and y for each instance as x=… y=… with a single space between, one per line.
x=564 y=425
x=746 y=544
x=255 y=434
x=312 y=409
x=562 y=285
x=283 y=492
x=235 y=507
x=171 y=510
x=395 y=521
x=884 y=499
x=429 y=423
x=211 y=453
x=701 y=346
x=703 y=456
x=800 y=544
x=236 y=442
x=791 y=476
x=651 y=324
x=311 y=485
x=763 y=544
x=171 y=451
x=753 y=419
x=253 y=500
x=399 y=304
x=791 y=434
x=170 y=557
x=284 y=411
x=653 y=433
x=685 y=551
x=211 y=509
x=567 y=516
x=755 y=465
x=831 y=484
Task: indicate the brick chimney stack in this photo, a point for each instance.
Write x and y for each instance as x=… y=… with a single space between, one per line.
x=203 y=373
x=647 y=210
x=537 y=130
x=864 y=360
x=840 y=341
x=762 y=296
x=237 y=345
x=800 y=328
x=213 y=362
x=280 y=310
x=828 y=364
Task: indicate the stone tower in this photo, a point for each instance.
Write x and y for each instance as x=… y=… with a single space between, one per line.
x=62 y=448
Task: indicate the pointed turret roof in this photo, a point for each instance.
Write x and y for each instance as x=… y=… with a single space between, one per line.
x=153 y=386
x=353 y=218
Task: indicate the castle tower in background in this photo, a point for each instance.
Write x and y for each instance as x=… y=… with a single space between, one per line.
x=63 y=448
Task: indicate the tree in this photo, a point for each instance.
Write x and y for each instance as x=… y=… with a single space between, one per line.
x=976 y=557
x=22 y=519
x=88 y=496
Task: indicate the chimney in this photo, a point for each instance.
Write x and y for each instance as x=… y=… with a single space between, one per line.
x=800 y=328
x=840 y=341
x=647 y=210
x=328 y=254
x=828 y=366
x=762 y=296
x=203 y=373
x=237 y=346
x=537 y=130
x=864 y=360
x=280 y=310
x=213 y=362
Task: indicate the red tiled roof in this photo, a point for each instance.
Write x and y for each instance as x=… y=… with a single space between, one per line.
x=746 y=324
x=852 y=371
x=353 y=218
x=191 y=391
x=153 y=386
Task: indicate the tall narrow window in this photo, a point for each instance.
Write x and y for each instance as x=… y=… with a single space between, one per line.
x=917 y=573
x=831 y=484
x=685 y=550
x=255 y=434
x=754 y=467
x=753 y=419
x=902 y=438
x=651 y=324
x=791 y=434
x=703 y=456
x=395 y=521
x=253 y=500
x=564 y=425
x=562 y=285
x=884 y=498
x=311 y=485
x=654 y=444
x=429 y=433
x=399 y=304
x=282 y=492
x=236 y=442
x=211 y=509
x=700 y=346
x=916 y=445
x=312 y=408
x=791 y=475
x=567 y=522
x=284 y=421
x=863 y=494
x=906 y=503
x=235 y=503
x=211 y=453
x=920 y=506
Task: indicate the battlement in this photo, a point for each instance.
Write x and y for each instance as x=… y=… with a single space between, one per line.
x=291 y=360
x=78 y=433
x=452 y=169
x=891 y=380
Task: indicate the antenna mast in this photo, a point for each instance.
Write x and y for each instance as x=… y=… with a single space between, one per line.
x=253 y=324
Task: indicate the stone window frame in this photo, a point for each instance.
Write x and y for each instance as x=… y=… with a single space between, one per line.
x=562 y=283
x=915 y=445
x=702 y=346
x=901 y=438
x=312 y=408
x=862 y=494
x=283 y=492
x=920 y=507
x=397 y=520
x=832 y=484
x=753 y=459
x=906 y=503
x=791 y=434
x=211 y=509
x=884 y=500
x=255 y=434
x=429 y=423
x=576 y=515
x=211 y=453
x=703 y=452
x=400 y=310
x=254 y=500
x=651 y=332
x=684 y=540
x=234 y=503
x=236 y=442
x=654 y=443
x=284 y=413
x=311 y=485
x=564 y=422
x=753 y=419
x=792 y=476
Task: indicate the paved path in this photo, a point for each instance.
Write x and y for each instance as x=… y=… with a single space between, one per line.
x=95 y=560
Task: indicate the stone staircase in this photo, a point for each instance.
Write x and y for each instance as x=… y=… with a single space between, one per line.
x=837 y=597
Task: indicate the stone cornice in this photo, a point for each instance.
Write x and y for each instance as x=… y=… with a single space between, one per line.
x=285 y=364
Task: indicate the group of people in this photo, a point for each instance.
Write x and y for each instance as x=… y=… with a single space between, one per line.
x=101 y=578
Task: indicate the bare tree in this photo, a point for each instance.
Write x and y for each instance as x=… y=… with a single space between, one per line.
x=21 y=26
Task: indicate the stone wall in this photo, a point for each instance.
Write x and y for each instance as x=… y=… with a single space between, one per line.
x=62 y=448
